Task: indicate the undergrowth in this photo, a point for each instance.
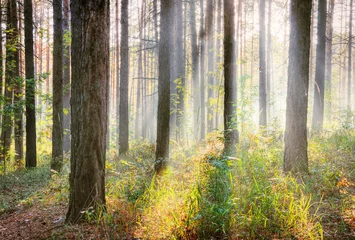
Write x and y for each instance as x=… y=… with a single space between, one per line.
x=207 y=195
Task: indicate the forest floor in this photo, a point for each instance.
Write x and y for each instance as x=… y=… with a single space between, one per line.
x=202 y=196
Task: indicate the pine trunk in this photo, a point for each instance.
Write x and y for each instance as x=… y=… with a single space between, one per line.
x=89 y=96
x=57 y=131
x=31 y=152
x=123 y=123
x=295 y=156
x=318 y=105
x=163 y=125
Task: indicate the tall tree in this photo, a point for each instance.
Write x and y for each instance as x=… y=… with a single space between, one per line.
x=163 y=128
x=295 y=156
x=268 y=63
x=180 y=68
x=211 y=60
x=89 y=94
x=57 y=130
x=202 y=74
x=31 y=152
x=11 y=73
x=329 y=55
x=117 y=71
x=1 y=65
x=66 y=77
x=230 y=91
x=218 y=79
x=195 y=73
x=262 y=66
x=318 y=106
x=18 y=95
x=123 y=124
x=350 y=52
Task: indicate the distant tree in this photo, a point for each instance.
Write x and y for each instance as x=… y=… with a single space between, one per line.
x=31 y=152
x=350 y=46
x=262 y=66
x=124 y=73
x=180 y=68
x=295 y=156
x=66 y=78
x=195 y=73
x=318 y=106
x=202 y=117
x=329 y=54
x=163 y=128
x=18 y=93
x=117 y=65
x=57 y=130
x=89 y=93
x=218 y=79
x=230 y=91
x=11 y=73
x=211 y=60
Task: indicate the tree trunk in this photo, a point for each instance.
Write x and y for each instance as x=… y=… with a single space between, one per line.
x=163 y=128
x=195 y=73
x=329 y=55
x=1 y=66
x=211 y=60
x=66 y=78
x=295 y=156
x=89 y=94
x=18 y=108
x=202 y=74
x=318 y=106
x=230 y=91
x=262 y=66
x=218 y=53
x=123 y=124
x=269 y=66
x=180 y=69
x=117 y=73
x=11 y=72
x=31 y=152
x=350 y=53
x=57 y=131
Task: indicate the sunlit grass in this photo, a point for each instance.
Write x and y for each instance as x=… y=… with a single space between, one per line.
x=206 y=195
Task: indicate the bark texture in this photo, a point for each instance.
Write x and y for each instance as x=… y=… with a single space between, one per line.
x=31 y=152
x=11 y=72
x=295 y=156
x=57 y=130
x=163 y=128
x=90 y=74
x=230 y=91
x=123 y=124
x=66 y=78
x=318 y=106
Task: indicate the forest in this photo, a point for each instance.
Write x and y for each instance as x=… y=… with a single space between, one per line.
x=177 y=119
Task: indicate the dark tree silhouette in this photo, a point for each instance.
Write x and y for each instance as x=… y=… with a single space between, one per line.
x=57 y=130
x=31 y=148
x=123 y=124
x=163 y=128
x=318 y=106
